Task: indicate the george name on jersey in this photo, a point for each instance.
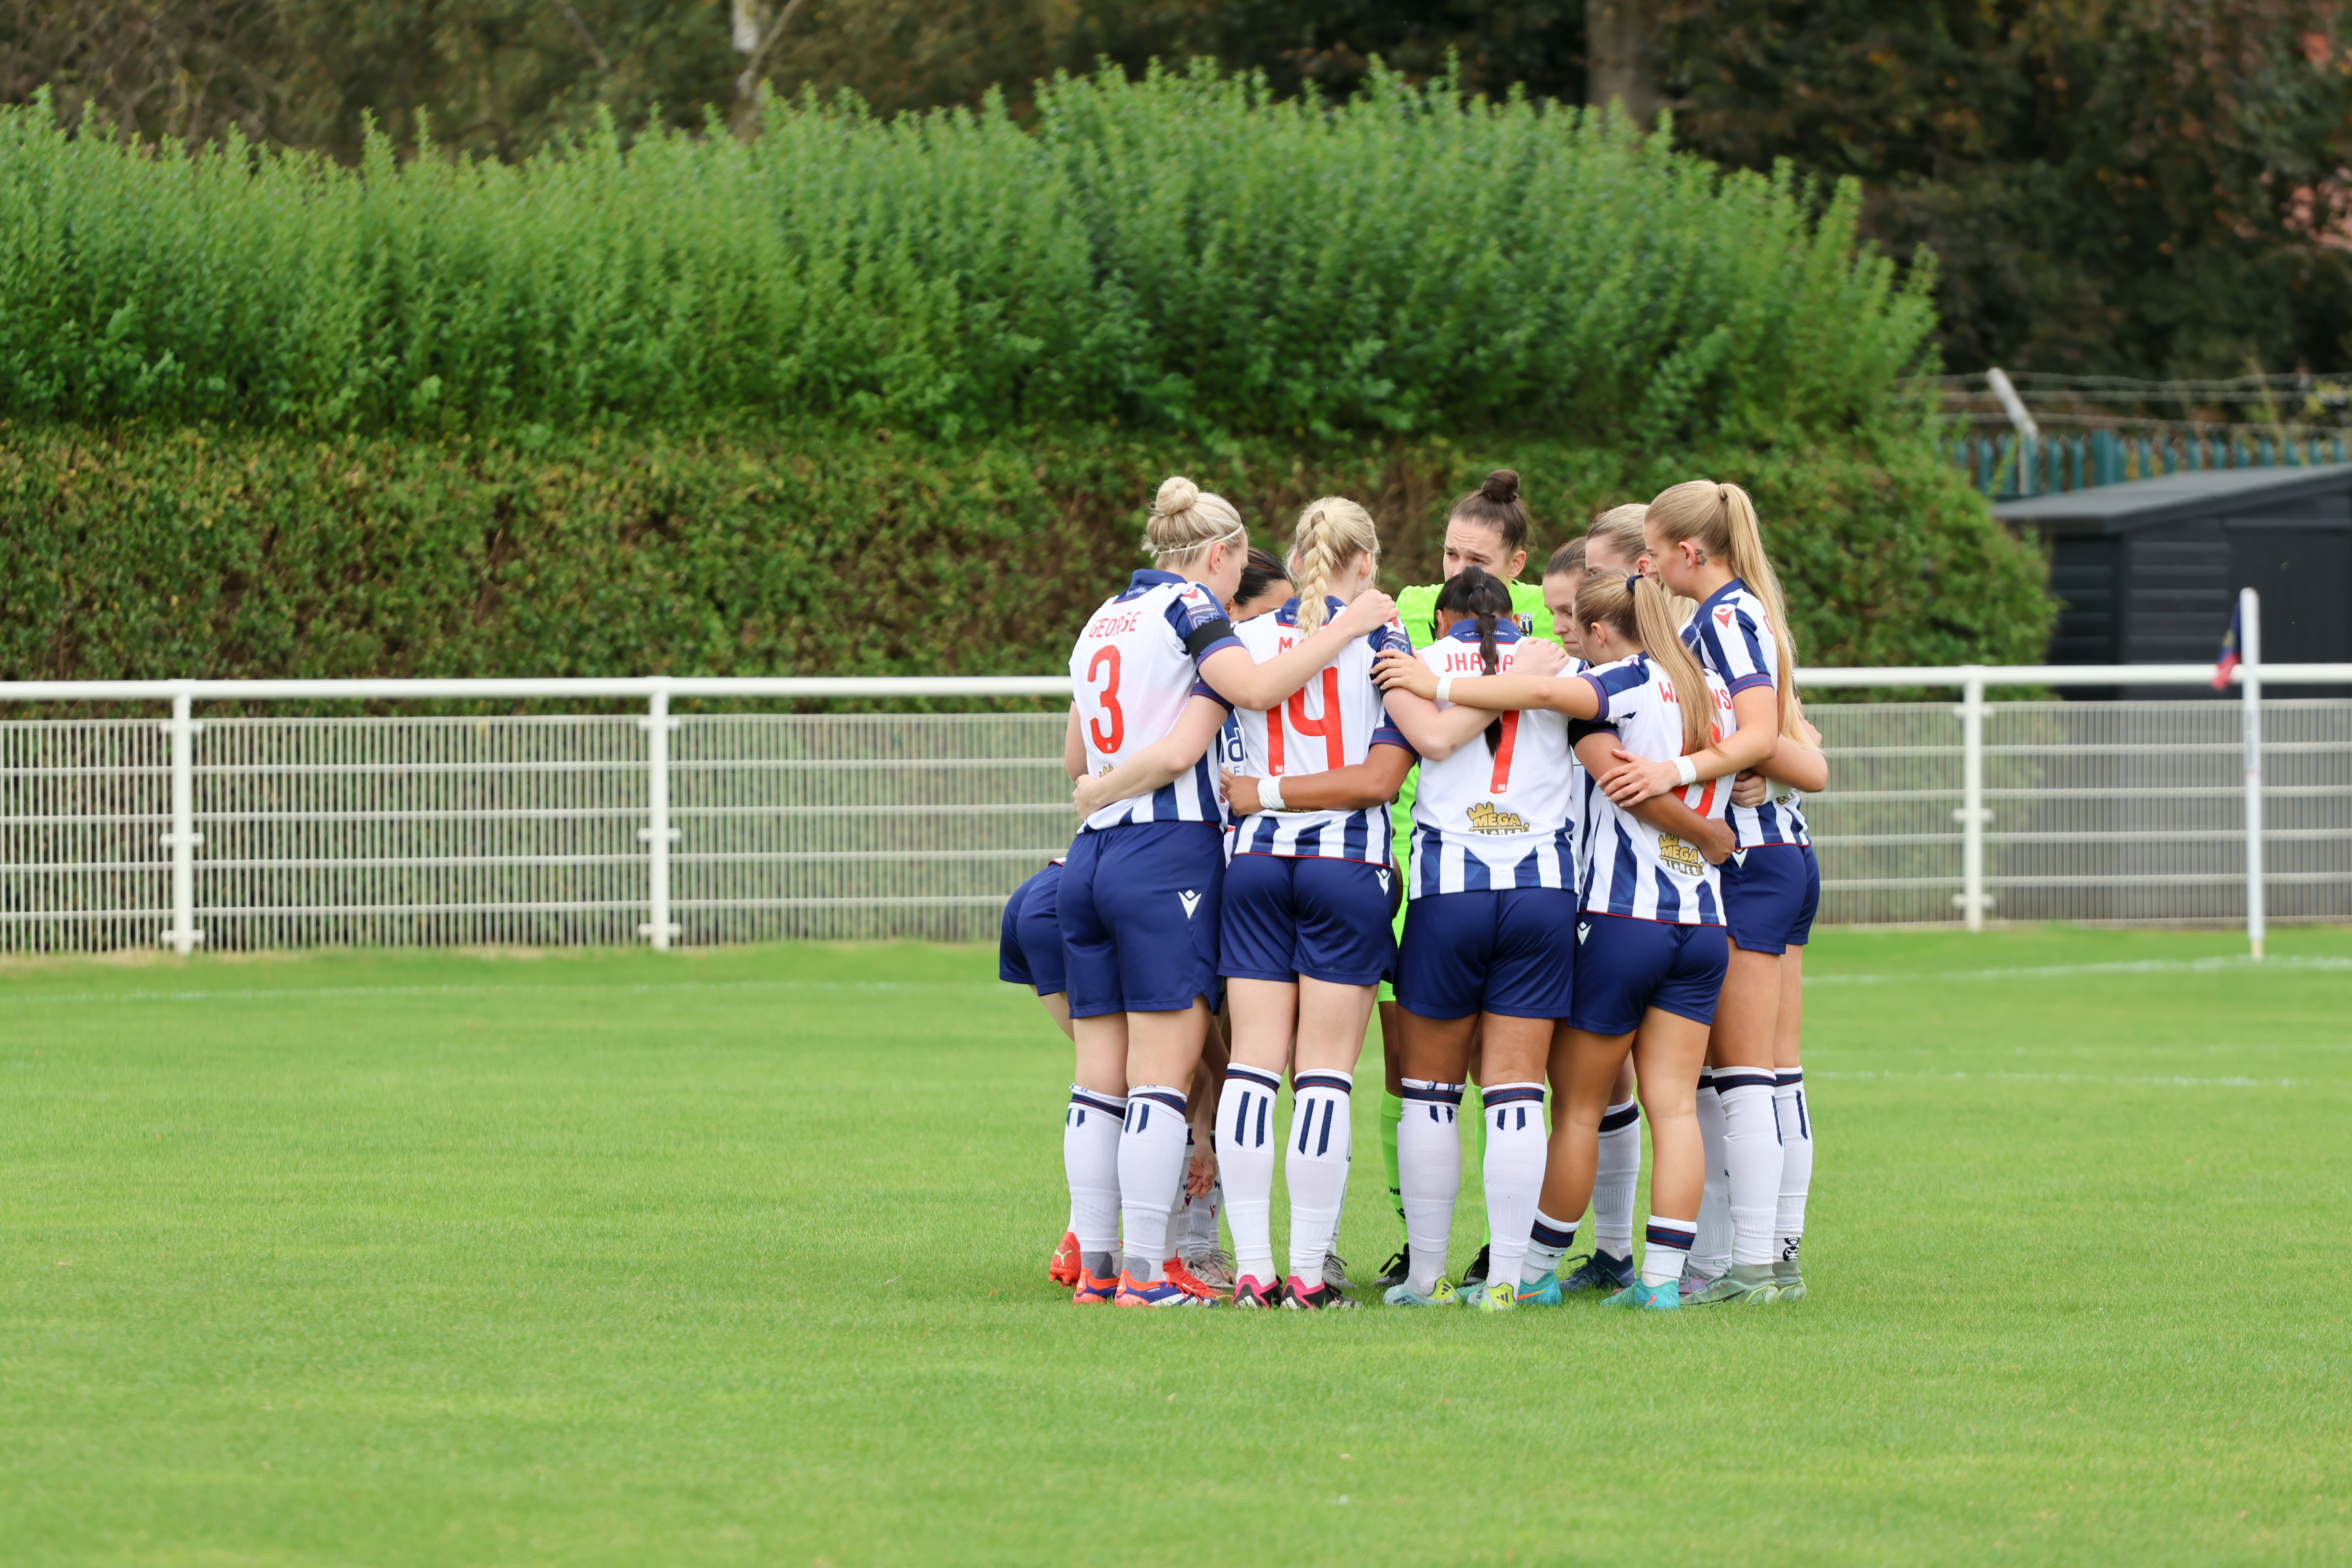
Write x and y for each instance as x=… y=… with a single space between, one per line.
x=1680 y=856
x=1485 y=817
x=1116 y=624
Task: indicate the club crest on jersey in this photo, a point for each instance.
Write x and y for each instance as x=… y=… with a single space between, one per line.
x=1679 y=855
x=1190 y=900
x=1486 y=817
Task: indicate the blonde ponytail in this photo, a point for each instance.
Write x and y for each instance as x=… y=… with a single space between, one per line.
x=1721 y=520
x=1645 y=614
x=1186 y=519
x=1332 y=532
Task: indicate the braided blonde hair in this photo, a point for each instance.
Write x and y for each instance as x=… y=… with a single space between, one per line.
x=1332 y=532
x=1186 y=519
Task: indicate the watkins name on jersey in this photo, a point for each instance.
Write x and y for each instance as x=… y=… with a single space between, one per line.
x=1136 y=666
x=1498 y=816
x=1631 y=867
x=1332 y=722
x=1733 y=636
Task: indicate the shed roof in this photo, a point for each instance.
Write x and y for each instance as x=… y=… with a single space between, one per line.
x=2175 y=496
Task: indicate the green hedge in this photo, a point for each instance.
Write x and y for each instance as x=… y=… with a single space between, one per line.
x=138 y=552
x=1178 y=253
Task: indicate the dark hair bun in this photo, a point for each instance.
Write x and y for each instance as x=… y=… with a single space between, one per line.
x=1502 y=487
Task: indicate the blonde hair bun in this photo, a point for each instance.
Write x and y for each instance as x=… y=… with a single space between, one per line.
x=1176 y=495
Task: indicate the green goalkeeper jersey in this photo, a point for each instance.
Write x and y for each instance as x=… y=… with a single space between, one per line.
x=1417 y=611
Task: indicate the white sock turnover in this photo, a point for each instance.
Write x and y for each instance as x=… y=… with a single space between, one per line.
x=1316 y=1166
x=1090 y=1160
x=1429 y=1175
x=1150 y=1169
x=1796 y=1121
x=1669 y=1247
x=1711 y=1253
x=1515 y=1145
x=1615 y=1178
x=1245 y=1166
x=1751 y=1159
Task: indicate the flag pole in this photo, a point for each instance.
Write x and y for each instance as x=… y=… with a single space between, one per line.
x=2250 y=692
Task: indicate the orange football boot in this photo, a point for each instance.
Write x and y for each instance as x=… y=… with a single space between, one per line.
x=1091 y=1291
x=1188 y=1282
x=1063 y=1269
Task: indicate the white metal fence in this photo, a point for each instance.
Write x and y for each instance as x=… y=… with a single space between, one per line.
x=270 y=832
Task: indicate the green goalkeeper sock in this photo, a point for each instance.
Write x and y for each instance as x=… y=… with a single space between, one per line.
x=1392 y=1112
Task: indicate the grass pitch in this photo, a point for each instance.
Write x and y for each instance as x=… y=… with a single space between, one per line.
x=738 y=1257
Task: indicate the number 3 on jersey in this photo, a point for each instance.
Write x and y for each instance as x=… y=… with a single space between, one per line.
x=1107 y=744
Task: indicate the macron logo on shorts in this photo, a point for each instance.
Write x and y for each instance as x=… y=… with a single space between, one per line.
x=1583 y=929
x=1383 y=876
x=1191 y=900
x=1741 y=856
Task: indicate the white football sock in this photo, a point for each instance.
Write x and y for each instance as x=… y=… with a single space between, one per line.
x=1669 y=1247
x=1316 y=1166
x=1429 y=1176
x=1615 y=1178
x=1751 y=1161
x=1245 y=1166
x=1548 y=1242
x=1151 y=1170
x=1199 y=1233
x=1515 y=1146
x=1090 y=1160
x=1796 y=1121
x=1712 y=1255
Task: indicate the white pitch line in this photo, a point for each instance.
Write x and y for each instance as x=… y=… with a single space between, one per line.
x=2061 y=971
x=296 y=993
x=2090 y=1078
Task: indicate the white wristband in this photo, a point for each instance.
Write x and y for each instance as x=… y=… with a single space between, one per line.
x=1445 y=687
x=1688 y=769
x=1269 y=795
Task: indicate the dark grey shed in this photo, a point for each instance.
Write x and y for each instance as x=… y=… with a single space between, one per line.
x=2146 y=572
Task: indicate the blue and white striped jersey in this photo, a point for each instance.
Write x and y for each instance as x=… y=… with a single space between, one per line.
x=1486 y=819
x=1332 y=722
x=1135 y=668
x=1732 y=635
x=1631 y=867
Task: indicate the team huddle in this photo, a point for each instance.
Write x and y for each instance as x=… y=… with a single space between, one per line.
x=1568 y=873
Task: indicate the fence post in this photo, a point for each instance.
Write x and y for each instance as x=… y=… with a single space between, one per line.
x=2250 y=671
x=1972 y=815
x=183 y=838
x=657 y=832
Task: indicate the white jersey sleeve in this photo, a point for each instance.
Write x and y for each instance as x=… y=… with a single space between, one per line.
x=1333 y=721
x=1733 y=636
x=1631 y=867
x=1135 y=668
x=1494 y=816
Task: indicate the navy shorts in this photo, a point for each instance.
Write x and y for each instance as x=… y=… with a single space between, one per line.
x=1770 y=894
x=1626 y=966
x=1511 y=953
x=1287 y=915
x=1029 y=945
x=1138 y=905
